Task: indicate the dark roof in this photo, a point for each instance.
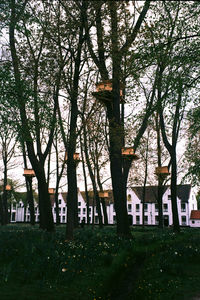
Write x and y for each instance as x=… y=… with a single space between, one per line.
x=195 y=214
x=91 y=197
x=183 y=192
x=151 y=193
x=52 y=198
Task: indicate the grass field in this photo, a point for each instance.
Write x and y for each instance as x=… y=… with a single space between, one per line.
x=153 y=265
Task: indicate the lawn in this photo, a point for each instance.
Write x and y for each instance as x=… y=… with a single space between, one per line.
x=153 y=265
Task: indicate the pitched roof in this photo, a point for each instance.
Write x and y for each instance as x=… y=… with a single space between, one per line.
x=108 y=200
x=183 y=192
x=195 y=214
x=151 y=192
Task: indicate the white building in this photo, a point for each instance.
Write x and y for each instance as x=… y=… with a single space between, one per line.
x=195 y=218
x=186 y=201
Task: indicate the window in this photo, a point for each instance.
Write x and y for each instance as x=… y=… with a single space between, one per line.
x=14 y=205
x=145 y=207
x=193 y=222
x=96 y=220
x=79 y=210
x=90 y=210
x=129 y=197
x=59 y=201
x=183 y=207
x=63 y=218
x=54 y=210
x=36 y=210
x=183 y=220
x=84 y=210
x=13 y=216
x=129 y=207
x=63 y=210
x=169 y=197
x=137 y=207
x=145 y=219
x=59 y=210
x=137 y=219
x=156 y=207
x=79 y=203
x=156 y=220
x=165 y=207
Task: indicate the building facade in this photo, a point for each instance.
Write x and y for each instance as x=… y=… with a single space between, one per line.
x=186 y=202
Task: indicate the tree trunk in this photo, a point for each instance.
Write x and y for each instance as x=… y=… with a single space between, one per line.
x=85 y=182
x=160 y=180
x=46 y=216
x=174 y=192
x=1 y=210
x=31 y=201
x=102 y=199
x=57 y=208
x=92 y=177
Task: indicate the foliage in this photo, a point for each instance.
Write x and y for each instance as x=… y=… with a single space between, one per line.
x=99 y=265
x=193 y=143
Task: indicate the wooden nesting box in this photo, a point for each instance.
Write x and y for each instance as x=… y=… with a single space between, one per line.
x=106 y=85
x=29 y=173
x=129 y=153
x=104 y=91
x=103 y=194
x=75 y=156
x=162 y=171
x=51 y=191
x=8 y=187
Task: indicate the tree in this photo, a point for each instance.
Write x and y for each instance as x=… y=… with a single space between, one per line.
x=31 y=124
x=116 y=52
x=175 y=68
x=8 y=134
x=192 y=155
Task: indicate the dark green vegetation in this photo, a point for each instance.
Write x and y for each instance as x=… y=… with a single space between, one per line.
x=99 y=265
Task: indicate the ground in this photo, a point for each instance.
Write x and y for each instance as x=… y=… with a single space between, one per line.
x=155 y=264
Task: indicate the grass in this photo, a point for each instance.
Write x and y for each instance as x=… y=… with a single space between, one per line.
x=153 y=265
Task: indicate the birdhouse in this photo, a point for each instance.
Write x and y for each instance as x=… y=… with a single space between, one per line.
x=75 y=156
x=104 y=91
x=29 y=173
x=162 y=171
x=105 y=85
x=103 y=194
x=128 y=152
x=51 y=191
x=8 y=187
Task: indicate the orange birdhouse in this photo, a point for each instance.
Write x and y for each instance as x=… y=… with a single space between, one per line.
x=129 y=153
x=104 y=91
x=51 y=191
x=103 y=194
x=162 y=171
x=8 y=187
x=75 y=156
x=29 y=173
